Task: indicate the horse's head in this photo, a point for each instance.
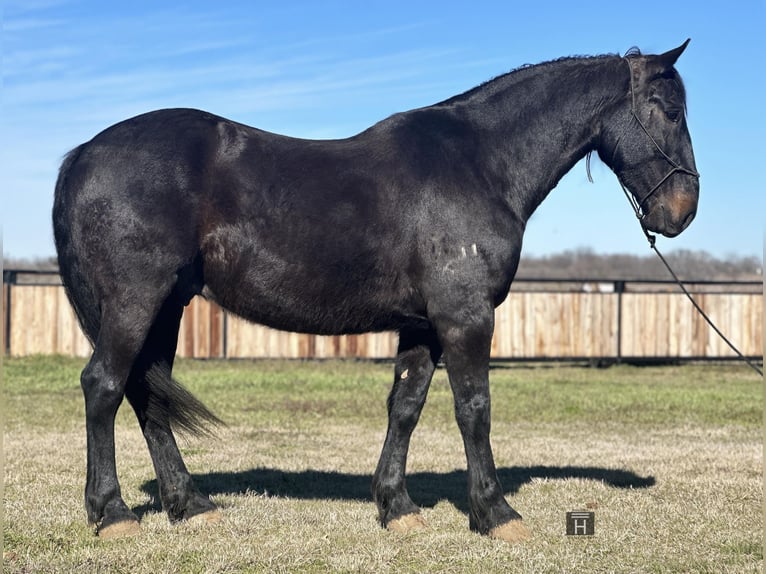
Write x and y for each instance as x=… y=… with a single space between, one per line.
x=647 y=144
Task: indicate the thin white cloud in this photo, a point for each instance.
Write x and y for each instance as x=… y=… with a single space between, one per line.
x=22 y=9
x=29 y=24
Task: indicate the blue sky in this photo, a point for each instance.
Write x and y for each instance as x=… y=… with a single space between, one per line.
x=330 y=69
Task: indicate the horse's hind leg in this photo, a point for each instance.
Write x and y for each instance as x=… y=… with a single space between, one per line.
x=416 y=360
x=180 y=497
x=124 y=326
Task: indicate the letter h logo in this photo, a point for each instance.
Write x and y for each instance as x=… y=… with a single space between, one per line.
x=581 y=523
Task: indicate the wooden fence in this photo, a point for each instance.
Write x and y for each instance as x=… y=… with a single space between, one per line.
x=615 y=320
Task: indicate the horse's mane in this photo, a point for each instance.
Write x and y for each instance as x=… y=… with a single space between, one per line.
x=528 y=67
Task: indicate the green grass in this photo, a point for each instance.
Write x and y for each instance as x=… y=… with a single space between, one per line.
x=274 y=391
x=671 y=458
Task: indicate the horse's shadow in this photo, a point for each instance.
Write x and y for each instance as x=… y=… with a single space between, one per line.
x=426 y=488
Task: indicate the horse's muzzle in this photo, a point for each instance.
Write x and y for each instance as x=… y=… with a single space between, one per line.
x=672 y=213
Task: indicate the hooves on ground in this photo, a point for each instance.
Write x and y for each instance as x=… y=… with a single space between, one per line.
x=122 y=529
x=407 y=523
x=126 y=528
x=209 y=517
x=512 y=531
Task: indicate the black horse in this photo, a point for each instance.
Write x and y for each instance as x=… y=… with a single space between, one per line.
x=413 y=225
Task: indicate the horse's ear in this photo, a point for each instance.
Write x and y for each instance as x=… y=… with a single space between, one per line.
x=668 y=59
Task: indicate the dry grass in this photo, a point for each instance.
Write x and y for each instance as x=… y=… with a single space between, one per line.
x=671 y=493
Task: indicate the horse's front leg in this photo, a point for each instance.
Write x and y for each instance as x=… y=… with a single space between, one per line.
x=466 y=338
x=416 y=360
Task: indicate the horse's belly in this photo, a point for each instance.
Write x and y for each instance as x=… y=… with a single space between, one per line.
x=305 y=291
x=288 y=310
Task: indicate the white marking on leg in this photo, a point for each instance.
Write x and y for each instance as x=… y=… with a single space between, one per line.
x=404 y=374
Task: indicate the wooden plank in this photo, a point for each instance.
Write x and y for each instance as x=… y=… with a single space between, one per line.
x=186 y=331
x=631 y=325
x=18 y=320
x=201 y=327
x=23 y=309
x=62 y=320
x=216 y=333
x=201 y=331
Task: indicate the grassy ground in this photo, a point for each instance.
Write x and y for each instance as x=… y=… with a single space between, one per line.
x=669 y=459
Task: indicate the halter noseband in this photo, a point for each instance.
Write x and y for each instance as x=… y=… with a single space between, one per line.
x=638 y=206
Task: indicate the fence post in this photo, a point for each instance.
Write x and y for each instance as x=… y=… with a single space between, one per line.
x=619 y=288
x=225 y=334
x=9 y=278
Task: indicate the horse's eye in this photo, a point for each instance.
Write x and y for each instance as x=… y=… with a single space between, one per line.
x=673 y=115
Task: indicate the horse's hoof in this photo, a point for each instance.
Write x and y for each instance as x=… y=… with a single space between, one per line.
x=512 y=531
x=407 y=523
x=204 y=518
x=122 y=529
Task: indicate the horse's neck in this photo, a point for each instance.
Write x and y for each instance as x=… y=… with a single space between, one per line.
x=537 y=123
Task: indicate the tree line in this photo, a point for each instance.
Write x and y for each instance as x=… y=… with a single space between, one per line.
x=689 y=265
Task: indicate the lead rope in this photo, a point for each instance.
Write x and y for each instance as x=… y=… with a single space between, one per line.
x=653 y=244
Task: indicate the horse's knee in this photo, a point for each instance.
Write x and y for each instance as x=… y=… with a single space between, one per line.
x=102 y=390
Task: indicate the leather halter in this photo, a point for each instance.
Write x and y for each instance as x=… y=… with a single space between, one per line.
x=638 y=205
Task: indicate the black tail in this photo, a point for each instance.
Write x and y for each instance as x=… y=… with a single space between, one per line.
x=164 y=398
x=168 y=399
